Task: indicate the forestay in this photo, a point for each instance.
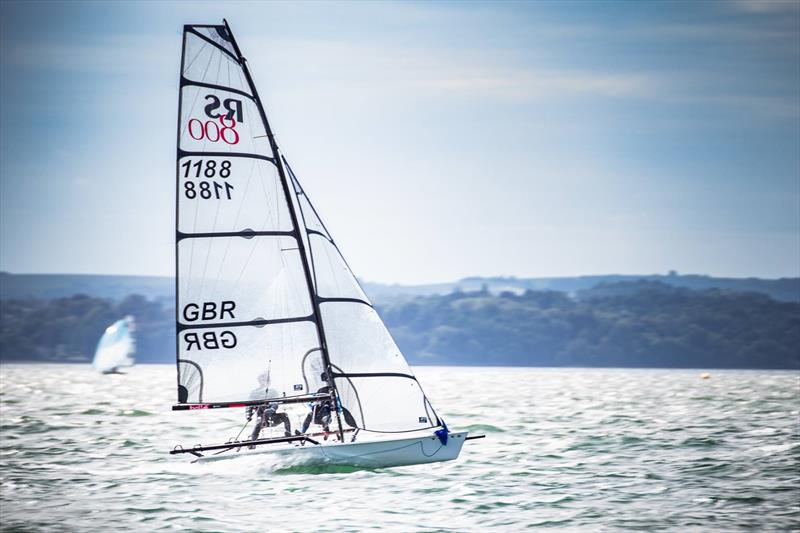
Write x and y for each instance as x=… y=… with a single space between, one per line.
x=265 y=301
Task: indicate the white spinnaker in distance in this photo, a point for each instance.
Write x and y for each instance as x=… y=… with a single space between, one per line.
x=373 y=379
x=244 y=307
x=116 y=348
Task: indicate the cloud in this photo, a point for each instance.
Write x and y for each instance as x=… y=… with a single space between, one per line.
x=122 y=54
x=358 y=69
x=530 y=84
x=353 y=66
x=767 y=6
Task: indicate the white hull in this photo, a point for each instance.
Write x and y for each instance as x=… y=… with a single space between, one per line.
x=369 y=454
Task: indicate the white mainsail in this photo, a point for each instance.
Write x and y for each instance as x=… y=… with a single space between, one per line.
x=116 y=348
x=267 y=307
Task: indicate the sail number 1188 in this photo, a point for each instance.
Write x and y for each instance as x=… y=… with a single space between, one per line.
x=208 y=188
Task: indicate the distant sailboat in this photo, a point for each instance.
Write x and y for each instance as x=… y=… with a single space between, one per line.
x=268 y=312
x=116 y=348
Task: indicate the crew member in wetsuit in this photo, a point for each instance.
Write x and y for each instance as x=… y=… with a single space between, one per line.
x=320 y=411
x=267 y=416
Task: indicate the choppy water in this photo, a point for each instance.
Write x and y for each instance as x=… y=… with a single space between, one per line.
x=570 y=449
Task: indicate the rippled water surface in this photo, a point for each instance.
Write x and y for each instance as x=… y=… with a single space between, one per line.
x=570 y=449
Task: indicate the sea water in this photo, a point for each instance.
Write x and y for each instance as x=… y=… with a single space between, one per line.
x=565 y=449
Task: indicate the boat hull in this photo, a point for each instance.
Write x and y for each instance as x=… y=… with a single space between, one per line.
x=368 y=454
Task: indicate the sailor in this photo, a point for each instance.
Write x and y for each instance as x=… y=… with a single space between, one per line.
x=321 y=410
x=267 y=416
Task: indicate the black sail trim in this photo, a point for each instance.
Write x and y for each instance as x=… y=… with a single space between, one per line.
x=188 y=27
x=185 y=153
x=187 y=82
x=372 y=375
x=178 y=384
x=303 y=364
x=355 y=391
x=191 y=30
x=326 y=237
x=199 y=371
x=256 y=323
x=322 y=300
x=245 y=234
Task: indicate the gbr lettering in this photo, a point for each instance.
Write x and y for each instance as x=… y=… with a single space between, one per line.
x=209 y=311
x=209 y=340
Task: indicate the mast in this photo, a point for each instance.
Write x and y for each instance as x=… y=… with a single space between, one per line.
x=293 y=214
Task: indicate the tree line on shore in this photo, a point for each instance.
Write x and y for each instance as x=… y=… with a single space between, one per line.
x=644 y=324
x=631 y=324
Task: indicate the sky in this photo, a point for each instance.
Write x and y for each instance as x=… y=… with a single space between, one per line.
x=437 y=140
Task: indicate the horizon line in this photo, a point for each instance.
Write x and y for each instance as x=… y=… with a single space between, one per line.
x=668 y=274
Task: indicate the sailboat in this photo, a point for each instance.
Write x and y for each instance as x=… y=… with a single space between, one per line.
x=269 y=315
x=116 y=348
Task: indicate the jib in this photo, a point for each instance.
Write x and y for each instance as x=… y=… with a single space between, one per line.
x=209 y=311
x=210 y=340
x=231 y=105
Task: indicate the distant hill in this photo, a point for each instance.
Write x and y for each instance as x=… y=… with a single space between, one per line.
x=68 y=329
x=49 y=286
x=630 y=324
x=783 y=289
x=655 y=320
x=634 y=324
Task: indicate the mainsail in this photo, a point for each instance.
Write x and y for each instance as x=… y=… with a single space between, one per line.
x=267 y=308
x=116 y=347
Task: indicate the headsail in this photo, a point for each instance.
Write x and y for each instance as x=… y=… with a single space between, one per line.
x=373 y=379
x=266 y=304
x=116 y=347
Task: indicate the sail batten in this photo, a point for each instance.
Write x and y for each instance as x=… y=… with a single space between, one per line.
x=245 y=234
x=185 y=153
x=186 y=82
x=253 y=323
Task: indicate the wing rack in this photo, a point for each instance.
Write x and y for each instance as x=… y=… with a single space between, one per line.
x=249 y=443
x=223 y=405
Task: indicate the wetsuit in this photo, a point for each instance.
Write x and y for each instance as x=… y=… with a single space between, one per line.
x=320 y=412
x=266 y=416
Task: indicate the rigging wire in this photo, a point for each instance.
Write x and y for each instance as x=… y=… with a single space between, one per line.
x=235 y=439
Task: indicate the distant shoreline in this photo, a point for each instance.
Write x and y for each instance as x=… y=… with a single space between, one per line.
x=493 y=323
